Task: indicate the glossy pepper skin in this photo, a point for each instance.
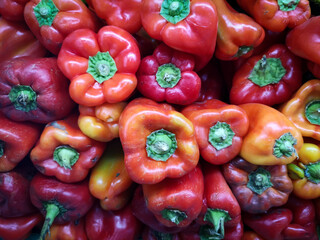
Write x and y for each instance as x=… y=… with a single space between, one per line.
x=16 y=140
x=304 y=172
x=176 y=201
x=101 y=123
x=65 y=152
x=74 y=230
x=12 y=10
x=277 y=15
x=101 y=66
x=188 y=26
x=219 y=129
x=16 y=40
x=158 y=142
x=238 y=33
x=59 y=202
x=112 y=225
x=168 y=75
x=269 y=78
x=124 y=14
x=251 y=235
x=39 y=96
x=52 y=20
x=257 y=188
x=303 y=109
x=271 y=139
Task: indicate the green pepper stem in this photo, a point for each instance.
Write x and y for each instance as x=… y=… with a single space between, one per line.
x=45 y=12
x=284 y=146
x=52 y=211
x=23 y=98
x=221 y=135
x=259 y=180
x=288 y=5
x=217 y=217
x=295 y=172
x=2 y=146
x=173 y=215
x=168 y=75
x=243 y=50
x=65 y=156
x=175 y=11
x=312 y=112
x=312 y=172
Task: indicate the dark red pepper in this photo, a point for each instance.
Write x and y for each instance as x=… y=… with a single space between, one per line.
x=74 y=230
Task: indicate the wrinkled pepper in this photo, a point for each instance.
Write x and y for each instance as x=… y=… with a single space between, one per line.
x=271 y=139
x=65 y=152
x=176 y=201
x=304 y=172
x=122 y=13
x=303 y=109
x=168 y=75
x=277 y=15
x=52 y=20
x=16 y=140
x=73 y=230
x=34 y=89
x=12 y=10
x=257 y=188
x=59 y=202
x=269 y=78
x=219 y=129
x=157 y=141
x=238 y=34
x=112 y=225
x=101 y=123
x=101 y=66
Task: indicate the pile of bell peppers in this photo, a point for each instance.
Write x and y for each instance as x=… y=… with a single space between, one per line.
x=159 y=119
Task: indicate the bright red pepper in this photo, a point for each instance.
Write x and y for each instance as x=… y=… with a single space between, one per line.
x=12 y=10
x=34 y=89
x=101 y=66
x=168 y=75
x=74 y=230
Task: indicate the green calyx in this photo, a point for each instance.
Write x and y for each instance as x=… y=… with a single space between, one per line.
x=168 y=75
x=217 y=217
x=65 y=156
x=295 y=172
x=312 y=172
x=243 y=50
x=23 y=98
x=284 y=146
x=207 y=232
x=259 y=180
x=45 y=12
x=173 y=215
x=267 y=71
x=221 y=135
x=175 y=11
x=2 y=145
x=288 y=5
x=161 y=144
x=102 y=67
x=161 y=235
x=312 y=112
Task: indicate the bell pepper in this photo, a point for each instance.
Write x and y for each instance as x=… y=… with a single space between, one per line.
x=304 y=172
x=34 y=89
x=277 y=15
x=16 y=40
x=145 y=42
x=269 y=78
x=101 y=66
x=271 y=139
x=251 y=235
x=12 y=10
x=113 y=225
x=303 y=40
x=118 y=201
x=314 y=68
x=59 y=202
x=238 y=33
x=124 y=14
x=74 y=230
x=158 y=142
x=168 y=75
x=219 y=129
x=109 y=178
x=303 y=109
x=235 y=232
x=19 y=228
x=257 y=188
x=65 y=152
x=176 y=201
x=101 y=123
x=52 y=20
x=16 y=140
x=185 y=25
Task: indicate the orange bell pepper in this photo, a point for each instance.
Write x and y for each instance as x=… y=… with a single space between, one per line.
x=303 y=109
x=157 y=141
x=272 y=138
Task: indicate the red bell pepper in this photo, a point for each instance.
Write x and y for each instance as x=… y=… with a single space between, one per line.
x=12 y=10
x=168 y=75
x=65 y=152
x=16 y=140
x=112 y=225
x=185 y=25
x=59 y=202
x=269 y=78
x=34 y=89
x=314 y=68
x=250 y=235
x=52 y=20
x=73 y=230
x=122 y=13
x=101 y=66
